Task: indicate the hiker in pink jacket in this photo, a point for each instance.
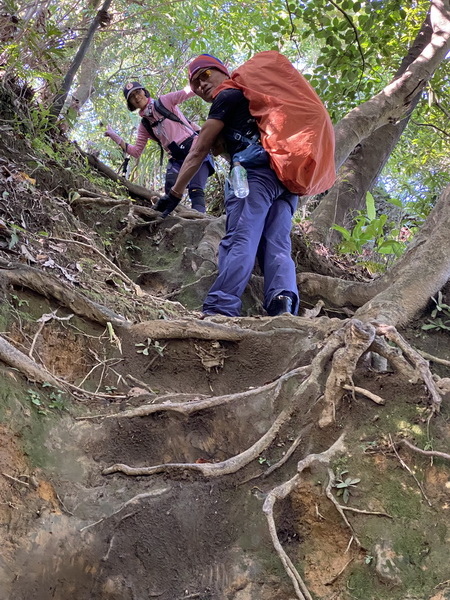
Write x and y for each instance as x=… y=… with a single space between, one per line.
x=171 y=130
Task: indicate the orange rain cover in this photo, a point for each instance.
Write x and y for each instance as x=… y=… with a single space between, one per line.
x=295 y=127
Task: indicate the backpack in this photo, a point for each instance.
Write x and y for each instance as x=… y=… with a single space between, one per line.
x=296 y=130
x=166 y=114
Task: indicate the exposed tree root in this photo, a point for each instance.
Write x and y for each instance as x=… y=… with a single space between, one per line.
x=405 y=466
x=131 y=501
x=13 y=357
x=11 y=478
x=188 y=406
x=100 y=200
x=308 y=391
x=292 y=448
x=189 y=328
x=361 y=511
x=374 y=397
x=232 y=465
x=50 y=287
x=187 y=286
x=435 y=359
x=417 y=361
x=338 y=292
x=395 y=358
x=357 y=338
x=151 y=215
x=135 y=190
x=339 y=508
x=281 y=492
x=429 y=453
x=336 y=577
x=311 y=313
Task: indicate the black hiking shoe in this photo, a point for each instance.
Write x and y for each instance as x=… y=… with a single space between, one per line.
x=280 y=305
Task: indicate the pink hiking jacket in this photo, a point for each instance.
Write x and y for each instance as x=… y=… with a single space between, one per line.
x=167 y=131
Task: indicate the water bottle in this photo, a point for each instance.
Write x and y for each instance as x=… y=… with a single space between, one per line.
x=239 y=181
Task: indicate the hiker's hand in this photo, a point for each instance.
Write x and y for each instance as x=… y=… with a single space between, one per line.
x=166 y=204
x=110 y=132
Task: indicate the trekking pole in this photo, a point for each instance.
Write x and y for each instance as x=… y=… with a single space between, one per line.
x=124 y=169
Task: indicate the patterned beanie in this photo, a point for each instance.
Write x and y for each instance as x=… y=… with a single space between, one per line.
x=206 y=61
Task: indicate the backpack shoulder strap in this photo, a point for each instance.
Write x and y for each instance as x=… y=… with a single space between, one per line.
x=165 y=112
x=168 y=114
x=149 y=127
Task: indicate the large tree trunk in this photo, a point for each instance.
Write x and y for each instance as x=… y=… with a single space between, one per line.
x=87 y=74
x=398 y=295
x=392 y=103
x=361 y=169
x=59 y=100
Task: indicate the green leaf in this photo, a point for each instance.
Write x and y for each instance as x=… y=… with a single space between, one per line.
x=395 y=202
x=370 y=206
x=345 y=232
x=390 y=247
x=13 y=241
x=429 y=326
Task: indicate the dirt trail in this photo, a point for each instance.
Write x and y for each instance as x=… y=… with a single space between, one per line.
x=70 y=530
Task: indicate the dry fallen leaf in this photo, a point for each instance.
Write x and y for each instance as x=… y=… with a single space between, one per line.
x=24 y=250
x=24 y=177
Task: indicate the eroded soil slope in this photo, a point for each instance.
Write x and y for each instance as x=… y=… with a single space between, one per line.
x=228 y=407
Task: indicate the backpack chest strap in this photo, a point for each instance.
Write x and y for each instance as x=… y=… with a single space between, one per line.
x=238 y=137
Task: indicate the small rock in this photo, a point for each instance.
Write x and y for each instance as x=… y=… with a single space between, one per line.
x=385 y=565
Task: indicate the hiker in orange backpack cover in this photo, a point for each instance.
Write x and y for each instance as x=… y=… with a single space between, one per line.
x=258 y=225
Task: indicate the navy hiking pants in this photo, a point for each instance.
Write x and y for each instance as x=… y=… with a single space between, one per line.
x=197 y=184
x=257 y=226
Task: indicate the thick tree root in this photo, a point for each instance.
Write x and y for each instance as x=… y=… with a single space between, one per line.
x=281 y=492
x=13 y=357
x=338 y=292
x=357 y=339
x=395 y=358
x=416 y=360
x=189 y=328
x=50 y=287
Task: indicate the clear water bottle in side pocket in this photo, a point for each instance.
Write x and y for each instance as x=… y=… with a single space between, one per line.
x=239 y=181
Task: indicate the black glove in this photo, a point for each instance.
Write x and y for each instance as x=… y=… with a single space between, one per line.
x=166 y=204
